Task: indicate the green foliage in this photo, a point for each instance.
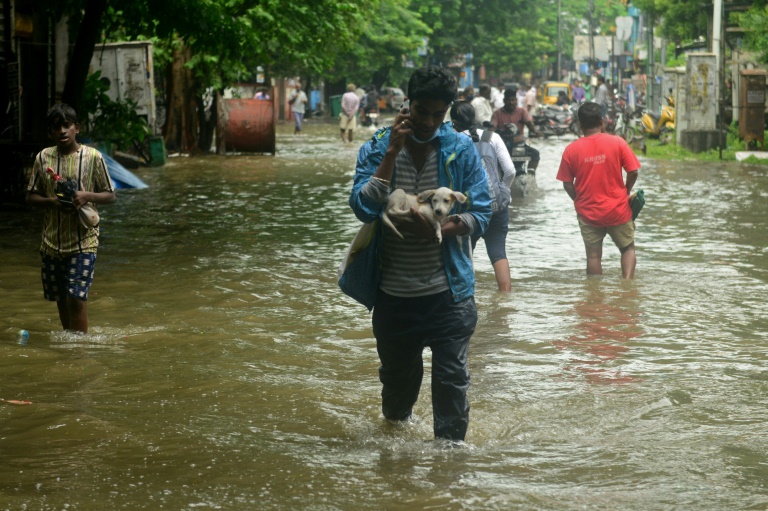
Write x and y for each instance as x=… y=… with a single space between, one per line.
x=110 y=121
x=673 y=152
x=680 y=20
x=230 y=38
x=755 y=22
x=671 y=60
x=389 y=39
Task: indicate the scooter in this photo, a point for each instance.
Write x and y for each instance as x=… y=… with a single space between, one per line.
x=659 y=125
x=369 y=117
x=524 y=182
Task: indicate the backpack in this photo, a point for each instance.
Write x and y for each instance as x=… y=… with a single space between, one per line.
x=500 y=195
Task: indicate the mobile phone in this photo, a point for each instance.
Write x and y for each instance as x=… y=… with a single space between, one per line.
x=407 y=106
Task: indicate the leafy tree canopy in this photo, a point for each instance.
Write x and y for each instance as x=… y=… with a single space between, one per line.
x=755 y=22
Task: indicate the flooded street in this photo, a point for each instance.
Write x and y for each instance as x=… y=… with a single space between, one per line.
x=225 y=370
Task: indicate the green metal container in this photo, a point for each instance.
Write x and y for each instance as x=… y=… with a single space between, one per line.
x=335 y=105
x=157 y=152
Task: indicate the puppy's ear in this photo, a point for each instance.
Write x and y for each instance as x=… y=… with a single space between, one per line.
x=426 y=195
x=459 y=197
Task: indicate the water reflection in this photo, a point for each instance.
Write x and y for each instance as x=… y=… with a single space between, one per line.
x=607 y=323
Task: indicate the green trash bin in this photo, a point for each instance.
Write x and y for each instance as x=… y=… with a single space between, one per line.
x=157 y=153
x=335 y=105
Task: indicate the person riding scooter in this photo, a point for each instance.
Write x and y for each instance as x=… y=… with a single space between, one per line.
x=370 y=111
x=511 y=113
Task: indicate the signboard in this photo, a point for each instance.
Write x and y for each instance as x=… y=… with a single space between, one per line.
x=756 y=97
x=603 y=47
x=624 y=28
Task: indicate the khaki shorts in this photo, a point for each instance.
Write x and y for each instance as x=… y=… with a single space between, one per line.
x=622 y=235
x=345 y=123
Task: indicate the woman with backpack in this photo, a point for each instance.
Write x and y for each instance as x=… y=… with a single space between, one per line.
x=500 y=171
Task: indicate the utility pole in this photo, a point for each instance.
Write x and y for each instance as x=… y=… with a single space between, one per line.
x=591 y=35
x=559 y=43
x=717 y=49
x=650 y=76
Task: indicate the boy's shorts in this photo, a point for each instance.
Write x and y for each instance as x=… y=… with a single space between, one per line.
x=622 y=235
x=68 y=275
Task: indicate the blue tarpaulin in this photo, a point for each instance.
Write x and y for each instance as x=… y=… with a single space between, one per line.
x=122 y=177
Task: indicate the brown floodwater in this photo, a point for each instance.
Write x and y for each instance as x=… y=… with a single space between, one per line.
x=225 y=370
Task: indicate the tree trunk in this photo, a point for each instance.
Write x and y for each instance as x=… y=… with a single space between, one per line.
x=80 y=61
x=181 y=121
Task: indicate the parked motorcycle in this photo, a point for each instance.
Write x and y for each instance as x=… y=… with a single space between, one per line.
x=574 y=126
x=547 y=122
x=659 y=125
x=561 y=118
x=623 y=121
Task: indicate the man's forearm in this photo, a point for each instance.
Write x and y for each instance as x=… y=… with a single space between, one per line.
x=631 y=179
x=570 y=190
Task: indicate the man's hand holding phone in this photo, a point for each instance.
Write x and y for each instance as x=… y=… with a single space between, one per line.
x=401 y=128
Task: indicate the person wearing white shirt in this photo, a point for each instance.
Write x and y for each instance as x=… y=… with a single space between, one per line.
x=500 y=177
x=482 y=105
x=497 y=98
x=520 y=97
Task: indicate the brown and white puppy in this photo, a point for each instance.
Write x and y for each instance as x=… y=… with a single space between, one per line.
x=434 y=205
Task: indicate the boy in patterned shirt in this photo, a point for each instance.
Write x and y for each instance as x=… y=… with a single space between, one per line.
x=69 y=245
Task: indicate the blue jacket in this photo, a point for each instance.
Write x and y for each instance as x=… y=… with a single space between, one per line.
x=460 y=169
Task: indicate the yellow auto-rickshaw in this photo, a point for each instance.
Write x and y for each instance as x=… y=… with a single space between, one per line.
x=548 y=91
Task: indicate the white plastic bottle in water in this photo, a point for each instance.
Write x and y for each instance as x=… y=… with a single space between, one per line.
x=22 y=337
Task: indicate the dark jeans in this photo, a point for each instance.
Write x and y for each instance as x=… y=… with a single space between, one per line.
x=403 y=328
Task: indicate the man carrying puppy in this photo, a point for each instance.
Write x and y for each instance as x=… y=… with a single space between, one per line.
x=426 y=293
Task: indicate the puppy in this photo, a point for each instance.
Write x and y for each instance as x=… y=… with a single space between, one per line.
x=434 y=205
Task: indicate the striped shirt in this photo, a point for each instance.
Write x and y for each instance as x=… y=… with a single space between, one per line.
x=63 y=233
x=412 y=266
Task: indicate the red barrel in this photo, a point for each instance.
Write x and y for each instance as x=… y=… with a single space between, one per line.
x=247 y=125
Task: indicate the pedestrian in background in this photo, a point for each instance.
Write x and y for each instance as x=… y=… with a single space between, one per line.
x=298 y=101
x=482 y=105
x=577 y=91
x=500 y=171
x=520 y=94
x=530 y=100
x=497 y=98
x=601 y=96
x=591 y=172
x=350 y=102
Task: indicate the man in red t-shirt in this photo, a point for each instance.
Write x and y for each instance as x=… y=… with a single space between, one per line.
x=591 y=172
